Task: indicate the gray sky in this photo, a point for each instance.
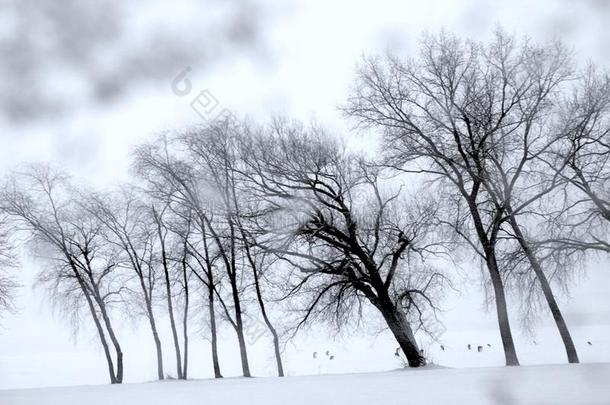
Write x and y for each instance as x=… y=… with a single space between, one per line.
x=85 y=80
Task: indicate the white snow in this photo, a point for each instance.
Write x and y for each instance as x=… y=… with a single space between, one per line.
x=550 y=384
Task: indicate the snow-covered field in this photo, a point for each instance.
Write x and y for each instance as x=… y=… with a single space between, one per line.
x=554 y=385
x=31 y=360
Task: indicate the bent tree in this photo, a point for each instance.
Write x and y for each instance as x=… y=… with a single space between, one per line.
x=125 y=217
x=82 y=267
x=344 y=240
x=474 y=117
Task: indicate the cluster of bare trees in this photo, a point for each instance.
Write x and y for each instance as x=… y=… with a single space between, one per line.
x=497 y=149
x=517 y=138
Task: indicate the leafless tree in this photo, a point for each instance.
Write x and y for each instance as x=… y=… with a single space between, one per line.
x=342 y=235
x=129 y=227
x=81 y=267
x=476 y=117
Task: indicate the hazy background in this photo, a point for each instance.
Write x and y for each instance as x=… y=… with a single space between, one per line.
x=83 y=81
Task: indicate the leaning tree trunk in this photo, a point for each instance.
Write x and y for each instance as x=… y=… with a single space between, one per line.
x=564 y=332
x=261 y=302
x=168 y=291
x=230 y=265
x=276 y=340
x=239 y=324
x=239 y=329
x=259 y=294
x=159 y=350
x=400 y=328
x=510 y=354
x=113 y=339
x=185 y=320
x=100 y=331
x=213 y=332
x=172 y=321
x=153 y=327
x=99 y=300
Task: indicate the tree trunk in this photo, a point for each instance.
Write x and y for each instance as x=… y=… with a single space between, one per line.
x=185 y=325
x=213 y=332
x=548 y=293
x=239 y=325
x=230 y=265
x=93 y=288
x=98 y=325
x=510 y=354
x=400 y=328
x=259 y=294
x=108 y=324
x=210 y=275
x=170 y=306
x=115 y=342
x=261 y=302
x=488 y=244
x=100 y=331
x=245 y=366
x=172 y=321
x=278 y=354
x=153 y=328
x=404 y=336
x=158 y=348
x=239 y=329
x=276 y=340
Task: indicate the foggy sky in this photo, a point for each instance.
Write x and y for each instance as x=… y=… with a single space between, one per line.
x=83 y=81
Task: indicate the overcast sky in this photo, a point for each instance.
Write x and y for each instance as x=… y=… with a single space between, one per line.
x=83 y=81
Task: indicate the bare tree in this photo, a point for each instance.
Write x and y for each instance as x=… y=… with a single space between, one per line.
x=82 y=268
x=130 y=229
x=342 y=236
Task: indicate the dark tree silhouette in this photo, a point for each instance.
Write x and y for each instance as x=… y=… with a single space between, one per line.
x=345 y=251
